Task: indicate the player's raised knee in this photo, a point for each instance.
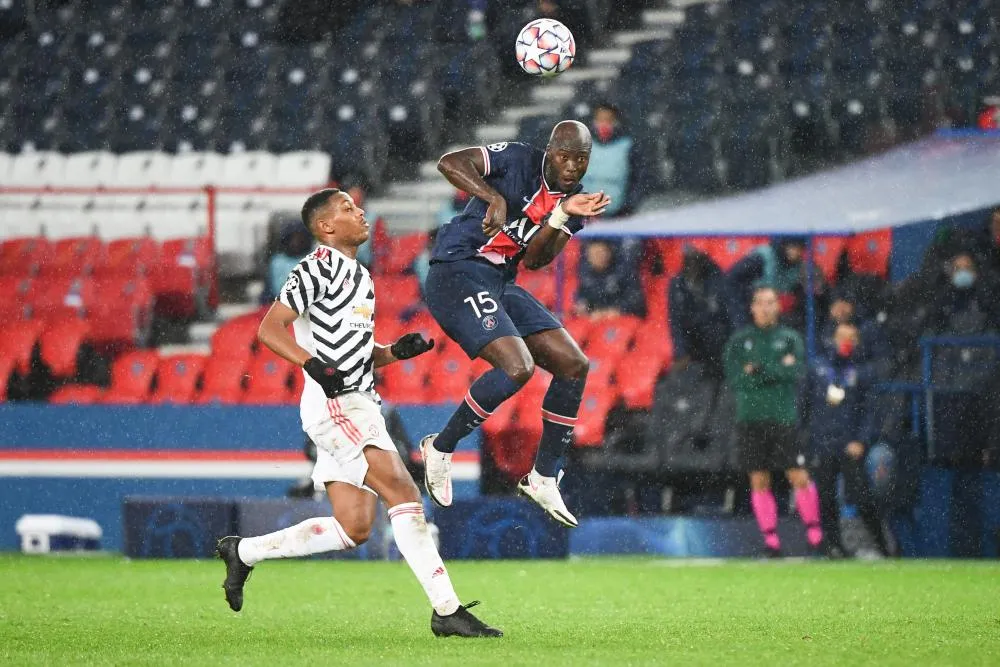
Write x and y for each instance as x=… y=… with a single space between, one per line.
x=521 y=370
x=578 y=367
x=357 y=531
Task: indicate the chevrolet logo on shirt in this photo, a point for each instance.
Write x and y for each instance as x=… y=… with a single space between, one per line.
x=364 y=311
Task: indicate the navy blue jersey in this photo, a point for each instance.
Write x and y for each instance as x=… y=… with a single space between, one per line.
x=515 y=170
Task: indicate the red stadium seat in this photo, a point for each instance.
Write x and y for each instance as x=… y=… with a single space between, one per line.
x=123 y=312
x=57 y=298
x=826 y=254
x=17 y=343
x=15 y=292
x=611 y=336
x=269 y=380
x=727 y=251
x=131 y=377
x=593 y=416
x=656 y=289
x=60 y=346
x=181 y=278
x=6 y=373
x=177 y=378
x=222 y=380
x=424 y=324
x=394 y=294
x=387 y=328
x=503 y=419
x=406 y=381
x=579 y=327
x=236 y=337
x=448 y=378
x=541 y=284
x=637 y=381
x=870 y=252
x=23 y=256
x=671 y=253
x=81 y=394
x=129 y=257
x=74 y=256
x=402 y=251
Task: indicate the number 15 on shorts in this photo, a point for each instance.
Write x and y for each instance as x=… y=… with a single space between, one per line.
x=485 y=306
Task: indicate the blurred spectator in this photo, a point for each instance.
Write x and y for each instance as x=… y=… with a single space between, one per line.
x=763 y=364
x=965 y=377
x=840 y=416
x=294 y=244
x=615 y=162
x=452 y=207
x=608 y=283
x=778 y=264
x=698 y=312
x=873 y=357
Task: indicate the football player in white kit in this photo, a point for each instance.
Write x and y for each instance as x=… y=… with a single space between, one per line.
x=329 y=299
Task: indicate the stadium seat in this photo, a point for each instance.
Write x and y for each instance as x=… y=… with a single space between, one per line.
x=826 y=254
x=424 y=324
x=302 y=169
x=637 y=381
x=541 y=284
x=180 y=280
x=60 y=344
x=870 y=252
x=177 y=378
x=269 y=380
x=17 y=343
x=448 y=379
x=60 y=297
x=656 y=289
x=727 y=251
x=579 y=327
x=23 y=256
x=129 y=256
x=74 y=256
x=143 y=168
x=398 y=258
x=6 y=374
x=396 y=294
x=611 y=337
x=14 y=294
x=236 y=338
x=503 y=420
x=123 y=311
x=598 y=399
x=222 y=380
x=79 y=394
x=406 y=381
x=671 y=253
x=131 y=377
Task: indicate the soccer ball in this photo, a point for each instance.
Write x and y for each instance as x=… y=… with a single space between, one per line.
x=545 y=47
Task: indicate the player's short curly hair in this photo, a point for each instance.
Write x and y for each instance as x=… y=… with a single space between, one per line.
x=315 y=202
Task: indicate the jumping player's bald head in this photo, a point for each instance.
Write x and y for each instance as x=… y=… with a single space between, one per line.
x=570 y=134
x=567 y=154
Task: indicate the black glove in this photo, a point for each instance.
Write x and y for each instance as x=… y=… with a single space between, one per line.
x=326 y=376
x=410 y=345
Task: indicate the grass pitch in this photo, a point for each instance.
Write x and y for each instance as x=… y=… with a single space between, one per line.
x=110 y=611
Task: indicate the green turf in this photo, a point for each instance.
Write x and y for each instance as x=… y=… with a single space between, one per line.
x=607 y=612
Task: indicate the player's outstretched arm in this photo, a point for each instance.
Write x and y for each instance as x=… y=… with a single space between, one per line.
x=408 y=346
x=273 y=333
x=465 y=169
x=552 y=238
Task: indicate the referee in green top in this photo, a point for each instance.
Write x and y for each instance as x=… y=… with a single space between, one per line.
x=764 y=363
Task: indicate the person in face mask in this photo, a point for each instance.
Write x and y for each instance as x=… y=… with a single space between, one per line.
x=873 y=358
x=841 y=426
x=615 y=162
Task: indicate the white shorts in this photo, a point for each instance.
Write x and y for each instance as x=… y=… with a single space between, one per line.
x=355 y=422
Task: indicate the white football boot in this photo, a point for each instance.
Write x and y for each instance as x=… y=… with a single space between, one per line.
x=545 y=492
x=437 y=471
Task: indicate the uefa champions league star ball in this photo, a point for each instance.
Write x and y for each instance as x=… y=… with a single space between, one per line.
x=545 y=47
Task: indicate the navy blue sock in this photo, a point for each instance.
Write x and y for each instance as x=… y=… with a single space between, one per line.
x=559 y=408
x=491 y=389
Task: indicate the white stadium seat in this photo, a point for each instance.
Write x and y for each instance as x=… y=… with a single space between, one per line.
x=307 y=169
x=249 y=169
x=144 y=169
x=196 y=169
x=37 y=169
x=6 y=163
x=91 y=169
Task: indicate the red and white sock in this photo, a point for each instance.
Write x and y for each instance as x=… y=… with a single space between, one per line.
x=409 y=527
x=312 y=536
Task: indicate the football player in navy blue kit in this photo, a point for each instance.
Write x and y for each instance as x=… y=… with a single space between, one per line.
x=525 y=206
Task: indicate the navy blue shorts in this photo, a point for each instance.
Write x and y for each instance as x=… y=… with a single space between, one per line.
x=476 y=303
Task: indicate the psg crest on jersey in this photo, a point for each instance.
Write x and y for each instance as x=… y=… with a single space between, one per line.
x=489 y=323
